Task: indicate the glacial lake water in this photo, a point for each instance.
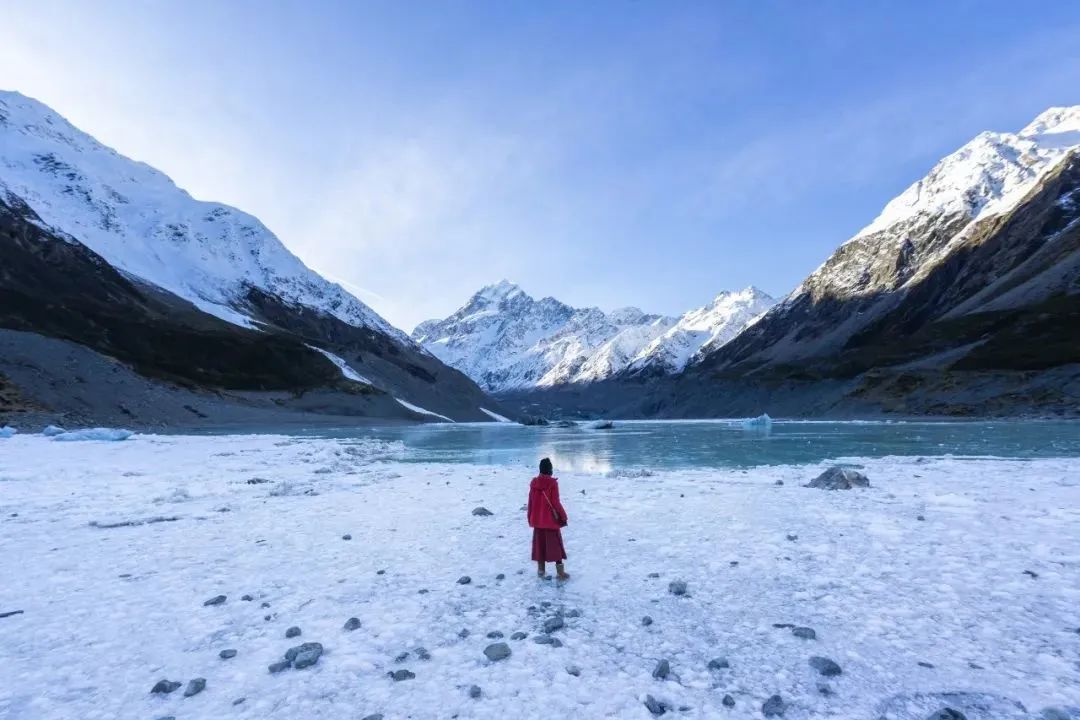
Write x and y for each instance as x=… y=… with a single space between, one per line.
x=705 y=444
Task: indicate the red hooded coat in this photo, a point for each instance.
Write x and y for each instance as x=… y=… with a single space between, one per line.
x=540 y=515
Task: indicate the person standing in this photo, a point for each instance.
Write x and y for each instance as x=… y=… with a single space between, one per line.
x=546 y=517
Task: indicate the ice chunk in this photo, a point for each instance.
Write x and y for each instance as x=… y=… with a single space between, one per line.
x=760 y=422
x=7 y=431
x=103 y=434
x=53 y=431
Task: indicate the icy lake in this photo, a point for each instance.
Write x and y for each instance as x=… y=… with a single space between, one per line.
x=720 y=443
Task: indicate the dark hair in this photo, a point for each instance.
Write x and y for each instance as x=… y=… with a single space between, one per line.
x=545 y=467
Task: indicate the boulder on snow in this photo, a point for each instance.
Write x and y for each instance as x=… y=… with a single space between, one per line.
x=497 y=651
x=677 y=587
x=352 y=624
x=292 y=632
x=655 y=706
x=804 y=632
x=216 y=600
x=662 y=670
x=194 y=687
x=839 y=478
x=825 y=666
x=164 y=687
x=482 y=512
x=774 y=707
x=227 y=654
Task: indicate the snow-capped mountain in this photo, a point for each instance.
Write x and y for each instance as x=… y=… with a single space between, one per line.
x=961 y=298
x=939 y=222
x=108 y=253
x=138 y=220
x=703 y=330
x=506 y=340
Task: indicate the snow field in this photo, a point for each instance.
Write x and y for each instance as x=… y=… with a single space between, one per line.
x=109 y=611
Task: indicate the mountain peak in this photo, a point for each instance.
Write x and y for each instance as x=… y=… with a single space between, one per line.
x=1054 y=120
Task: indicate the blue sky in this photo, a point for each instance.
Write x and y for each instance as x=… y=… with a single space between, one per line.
x=645 y=153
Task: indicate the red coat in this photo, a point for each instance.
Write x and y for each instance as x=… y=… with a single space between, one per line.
x=540 y=515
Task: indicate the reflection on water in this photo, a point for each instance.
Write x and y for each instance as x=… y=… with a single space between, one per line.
x=670 y=445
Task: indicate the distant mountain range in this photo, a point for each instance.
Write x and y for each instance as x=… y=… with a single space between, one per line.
x=107 y=253
x=961 y=298
x=506 y=340
x=123 y=300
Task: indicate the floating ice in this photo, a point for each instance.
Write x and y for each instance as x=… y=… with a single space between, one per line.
x=761 y=421
x=103 y=434
x=53 y=431
x=7 y=431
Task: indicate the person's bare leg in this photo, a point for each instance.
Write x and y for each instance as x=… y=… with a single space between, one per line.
x=541 y=570
x=560 y=571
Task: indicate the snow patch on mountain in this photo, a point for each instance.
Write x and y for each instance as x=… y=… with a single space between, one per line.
x=506 y=340
x=138 y=220
x=989 y=174
x=703 y=330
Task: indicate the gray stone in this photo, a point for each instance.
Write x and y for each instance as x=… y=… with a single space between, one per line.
x=464 y=633
x=227 y=654
x=474 y=691
x=824 y=689
x=677 y=587
x=655 y=706
x=573 y=670
x=346 y=536
x=519 y=636
x=482 y=512
x=164 y=687
x=839 y=478
x=292 y=632
x=422 y=653
x=194 y=687
x=646 y=621
x=804 y=632
x=662 y=670
x=947 y=713
x=774 y=707
x=494 y=635
x=825 y=666
x=292 y=653
x=216 y=600
x=792 y=538
x=399 y=675
x=279 y=666
x=497 y=651
x=779 y=482
x=654 y=575
x=556 y=643
x=308 y=656
x=380 y=572
x=500 y=576
x=543 y=639
x=464 y=580
x=573 y=613
x=239 y=701
x=376 y=716
x=554 y=623
x=402 y=657
x=246 y=598
x=352 y=624
x=719 y=664
x=728 y=701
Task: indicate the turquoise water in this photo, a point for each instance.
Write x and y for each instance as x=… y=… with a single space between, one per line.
x=677 y=445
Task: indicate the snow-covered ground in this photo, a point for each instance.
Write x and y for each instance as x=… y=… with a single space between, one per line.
x=980 y=596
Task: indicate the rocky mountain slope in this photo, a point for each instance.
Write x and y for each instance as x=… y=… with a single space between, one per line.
x=107 y=253
x=955 y=300
x=509 y=342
